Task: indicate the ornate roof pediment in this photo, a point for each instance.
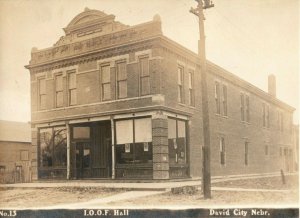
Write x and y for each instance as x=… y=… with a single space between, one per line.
x=88 y=20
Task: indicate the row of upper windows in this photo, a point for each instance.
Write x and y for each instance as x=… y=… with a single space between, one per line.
x=105 y=84
x=221 y=108
x=181 y=88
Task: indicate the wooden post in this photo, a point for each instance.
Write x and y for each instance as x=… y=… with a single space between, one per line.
x=206 y=177
x=113 y=175
x=68 y=151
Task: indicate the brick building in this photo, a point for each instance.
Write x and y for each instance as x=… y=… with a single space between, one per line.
x=15 y=144
x=115 y=101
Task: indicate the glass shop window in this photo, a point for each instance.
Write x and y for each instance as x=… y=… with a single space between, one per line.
x=53 y=147
x=134 y=141
x=177 y=141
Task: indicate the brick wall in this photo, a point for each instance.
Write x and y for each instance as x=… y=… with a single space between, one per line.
x=160 y=147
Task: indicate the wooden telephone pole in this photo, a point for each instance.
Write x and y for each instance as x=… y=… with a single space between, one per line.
x=206 y=178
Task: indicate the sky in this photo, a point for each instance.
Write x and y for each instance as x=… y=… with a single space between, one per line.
x=250 y=38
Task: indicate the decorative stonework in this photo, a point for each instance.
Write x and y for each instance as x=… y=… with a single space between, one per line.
x=90 y=31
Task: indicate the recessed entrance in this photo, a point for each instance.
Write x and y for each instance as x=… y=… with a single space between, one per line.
x=91 y=150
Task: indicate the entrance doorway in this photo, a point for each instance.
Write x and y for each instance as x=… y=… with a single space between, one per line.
x=92 y=150
x=83 y=160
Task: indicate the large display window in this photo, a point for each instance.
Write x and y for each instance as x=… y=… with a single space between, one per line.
x=177 y=141
x=134 y=141
x=52 y=151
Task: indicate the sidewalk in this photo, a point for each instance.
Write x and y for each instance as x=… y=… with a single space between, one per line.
x=139 y=186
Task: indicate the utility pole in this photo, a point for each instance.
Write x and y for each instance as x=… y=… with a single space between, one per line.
x=206 y=178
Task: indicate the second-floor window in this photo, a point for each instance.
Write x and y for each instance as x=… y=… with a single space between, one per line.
x=121 y=80
x=105 y=83
x=144 y=76
x=42 y=93
x=59 y=96
x=225 y=100
x=217 y=97
x=245 y=107
x=180 y=84
x=191 y=89
x=242 y=107
x=266 y=115
x=280 y=121
x=72 y=88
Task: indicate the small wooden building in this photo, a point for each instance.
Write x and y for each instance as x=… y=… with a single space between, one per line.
x=15 y=145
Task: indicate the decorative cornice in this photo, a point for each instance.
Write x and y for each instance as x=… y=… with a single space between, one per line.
x=96 y=55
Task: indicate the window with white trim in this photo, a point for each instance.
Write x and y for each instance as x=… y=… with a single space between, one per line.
x=217 y=97
x=121 y=80
x=144 y=76
x=191 y=89
x=59 y=96
x=105 y=82
x=180 y=84
x=72 y=88
x=42 y=93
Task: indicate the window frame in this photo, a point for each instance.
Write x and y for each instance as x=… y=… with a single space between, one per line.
x=143 y=76
x=217 y=97
x=52 y=144
x=242 y=105
x=180 y=84
x=121 y=80
x=191 y=88
x=42 y=95
x=222 y=144
x=177 y=139
x=71 y=89
x=103 y=84
x=59 y=91
x=134 y=145
x=225 y=99
x=246 y=153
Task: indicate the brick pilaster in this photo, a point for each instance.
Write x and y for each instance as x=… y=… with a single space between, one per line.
x=160 y=147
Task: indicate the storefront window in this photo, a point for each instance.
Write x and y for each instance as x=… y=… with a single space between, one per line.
x=134 y=141
x=177 y=141
x=53 y=147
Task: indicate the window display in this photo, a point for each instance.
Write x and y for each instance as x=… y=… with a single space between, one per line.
x=177 y=141
x=134 y=141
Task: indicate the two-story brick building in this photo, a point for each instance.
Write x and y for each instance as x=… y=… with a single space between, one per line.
x=115 y=101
